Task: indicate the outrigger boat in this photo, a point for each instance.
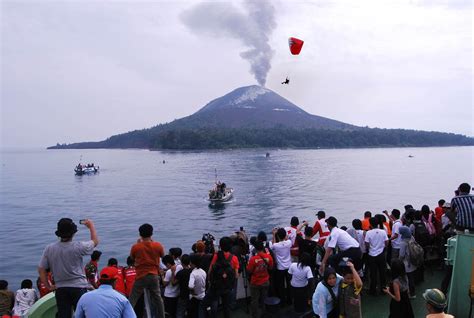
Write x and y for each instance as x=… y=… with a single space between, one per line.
x=81 y=169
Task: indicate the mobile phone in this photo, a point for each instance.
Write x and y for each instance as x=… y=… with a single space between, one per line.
x=83 y=221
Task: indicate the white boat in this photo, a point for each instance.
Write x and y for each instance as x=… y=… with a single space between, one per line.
x=81 y=169
x=220 y=193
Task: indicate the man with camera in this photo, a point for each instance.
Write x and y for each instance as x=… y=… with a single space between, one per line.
x=64 y=259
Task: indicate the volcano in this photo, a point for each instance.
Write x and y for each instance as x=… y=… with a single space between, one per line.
x=254 y=116
x=255 y=107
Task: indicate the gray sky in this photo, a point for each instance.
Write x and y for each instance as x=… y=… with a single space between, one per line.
x=85 y=70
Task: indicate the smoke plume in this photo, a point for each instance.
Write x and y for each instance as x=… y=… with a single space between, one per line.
x=252 y=27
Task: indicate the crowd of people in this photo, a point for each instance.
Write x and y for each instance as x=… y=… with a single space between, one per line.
x=317 y=271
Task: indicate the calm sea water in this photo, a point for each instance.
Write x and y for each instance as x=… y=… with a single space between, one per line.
x=133 y=187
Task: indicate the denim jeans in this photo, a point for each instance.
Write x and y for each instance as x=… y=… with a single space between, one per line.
x=66 y=300
x=183 y=304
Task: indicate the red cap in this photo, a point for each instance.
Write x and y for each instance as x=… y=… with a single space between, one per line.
x=109 y=273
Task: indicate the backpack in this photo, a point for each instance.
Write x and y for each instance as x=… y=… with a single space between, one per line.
x=416 y=253
x=422 y=235
x=222 y=275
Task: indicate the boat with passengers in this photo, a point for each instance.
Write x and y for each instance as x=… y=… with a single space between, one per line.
x=89 y=168
x=220 y=193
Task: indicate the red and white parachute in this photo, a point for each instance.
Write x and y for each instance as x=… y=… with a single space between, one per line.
x=295 y=45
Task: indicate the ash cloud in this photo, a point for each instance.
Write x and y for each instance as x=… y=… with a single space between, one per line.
x=252 y=26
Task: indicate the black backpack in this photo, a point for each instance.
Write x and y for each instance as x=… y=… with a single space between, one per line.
x=422 y=236
x=223 y=275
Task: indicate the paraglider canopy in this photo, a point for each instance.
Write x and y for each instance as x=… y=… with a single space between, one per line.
x=295 y=45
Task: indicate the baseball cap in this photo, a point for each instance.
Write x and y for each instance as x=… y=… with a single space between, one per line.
x=109 y=273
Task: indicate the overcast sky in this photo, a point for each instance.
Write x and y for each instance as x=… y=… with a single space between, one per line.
x=76 y=71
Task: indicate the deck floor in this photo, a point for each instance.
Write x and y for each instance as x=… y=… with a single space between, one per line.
x=377 y=306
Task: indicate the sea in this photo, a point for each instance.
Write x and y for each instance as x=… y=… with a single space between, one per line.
x=168 y=189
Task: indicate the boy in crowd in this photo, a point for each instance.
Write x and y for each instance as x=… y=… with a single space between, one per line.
x=24 y=298
x=7 y=299
x=281 y=249
x=259 y=266
x=92 y=269
x=182 y=280
x=376 y=241
x=197 y=287
x=171 y=286
x=320 y=227
x=147 y=255
x=349 y=293
x=435 y=303
x=129 y=274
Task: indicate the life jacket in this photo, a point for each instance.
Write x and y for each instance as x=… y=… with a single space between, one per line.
x=292 y=233
x=43 y=290
x=322 y=230
x=129 y=274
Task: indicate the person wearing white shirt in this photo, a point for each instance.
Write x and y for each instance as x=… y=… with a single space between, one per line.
x=348 y=247
x=197 y=287
x=282 y=250
x=171 y=288
x=376 y=240
x=301 y=277
x=395 y=239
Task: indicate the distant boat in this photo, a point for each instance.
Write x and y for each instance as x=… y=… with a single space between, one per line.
x=89 y=168
x=267 y=155
x=410 y=156
x=220 y=193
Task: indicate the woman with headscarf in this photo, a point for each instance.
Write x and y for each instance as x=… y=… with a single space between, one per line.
x=404 y=256
x=325 y=295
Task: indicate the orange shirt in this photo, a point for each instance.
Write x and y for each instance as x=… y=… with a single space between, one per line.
x=366 y=224
x=147 y=257
x=389 y=229
x=234 y=262
x=129 y=274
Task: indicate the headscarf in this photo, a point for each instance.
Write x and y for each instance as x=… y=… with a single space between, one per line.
x=405 y=232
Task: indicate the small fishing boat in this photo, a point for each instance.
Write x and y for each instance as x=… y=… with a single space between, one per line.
x=89 y=168
x=220 y=193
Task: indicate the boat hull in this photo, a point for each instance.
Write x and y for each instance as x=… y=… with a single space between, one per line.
x=228 y=194
x=88 y=170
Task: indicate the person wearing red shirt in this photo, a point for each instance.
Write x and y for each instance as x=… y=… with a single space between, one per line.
x=321 y=228
x=147 y=255
x=439 y=210
x=119 y=282
x=293 y=232
x=258 y=266
x=129 y=274
x=213 y=294
x=42 y=288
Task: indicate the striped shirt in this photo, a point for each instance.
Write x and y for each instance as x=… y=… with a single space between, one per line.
x=464 y=207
